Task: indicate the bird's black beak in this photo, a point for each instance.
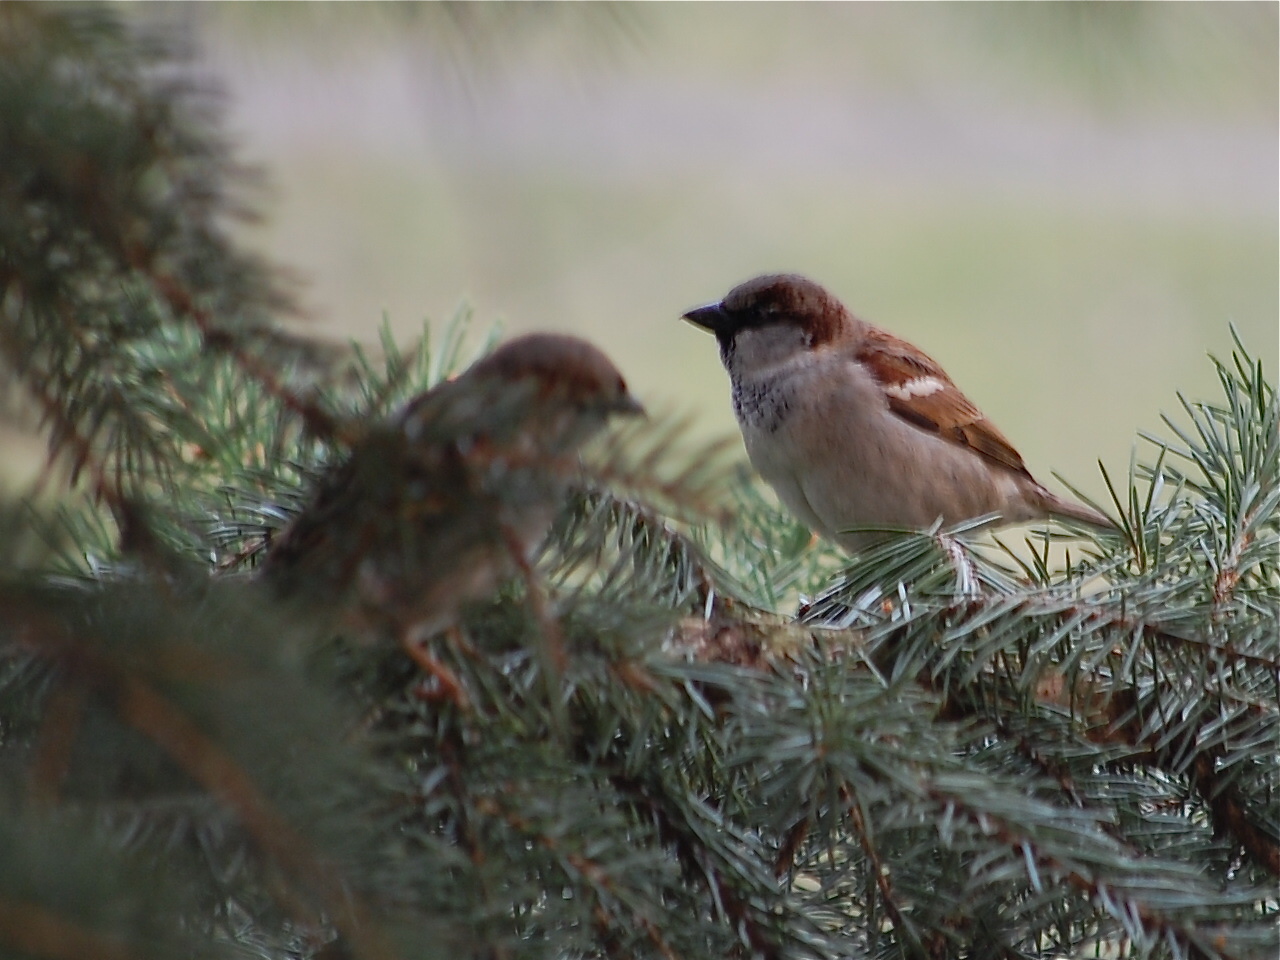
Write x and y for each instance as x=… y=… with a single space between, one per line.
x=712 y=317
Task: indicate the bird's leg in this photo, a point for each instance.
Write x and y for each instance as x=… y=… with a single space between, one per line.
x=447 y=682
x=549 y=626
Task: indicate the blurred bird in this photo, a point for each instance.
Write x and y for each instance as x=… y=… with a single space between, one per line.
x=452 y=495
x=855 y=428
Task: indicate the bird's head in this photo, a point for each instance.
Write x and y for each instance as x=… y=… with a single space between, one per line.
x=563 y=388
x=541 y=392
x=769 y=319
x=561 y=370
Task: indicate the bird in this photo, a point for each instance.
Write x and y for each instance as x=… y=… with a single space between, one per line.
x=854 y=427
x=450 y=496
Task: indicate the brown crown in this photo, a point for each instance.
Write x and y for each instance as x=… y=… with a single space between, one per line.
x=786 y=298
x=568 y=366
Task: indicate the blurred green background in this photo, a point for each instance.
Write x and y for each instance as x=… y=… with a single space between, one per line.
x=1065 y=204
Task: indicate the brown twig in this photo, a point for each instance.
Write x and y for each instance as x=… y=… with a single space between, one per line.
x=58 y=728
x=182 y=303
x=591 y=872
x=879 y=869
x=206 y=762
x=31 y=930
x=1024 y=846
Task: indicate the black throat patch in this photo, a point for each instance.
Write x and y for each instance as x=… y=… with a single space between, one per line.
x=760 y=406
x=757 y=404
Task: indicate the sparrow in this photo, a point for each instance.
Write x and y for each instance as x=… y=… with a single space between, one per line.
x=853 y=427
x=453 y=494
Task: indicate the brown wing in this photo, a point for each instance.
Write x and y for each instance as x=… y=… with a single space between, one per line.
x=920 y=392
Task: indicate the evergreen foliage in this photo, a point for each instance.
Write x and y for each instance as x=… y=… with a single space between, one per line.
x=951 y=751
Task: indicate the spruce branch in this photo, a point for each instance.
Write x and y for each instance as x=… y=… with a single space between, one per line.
x=114 y=190
x=179 y=702
x=632 y=749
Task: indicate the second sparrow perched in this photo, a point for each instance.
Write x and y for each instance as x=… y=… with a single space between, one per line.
x=438 y=505
x=854 y=427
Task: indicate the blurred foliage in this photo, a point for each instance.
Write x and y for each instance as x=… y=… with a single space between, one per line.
x=116 y=272
x=1112 y=53
x=945 y=754
x=473 y=38
x=1103 y=54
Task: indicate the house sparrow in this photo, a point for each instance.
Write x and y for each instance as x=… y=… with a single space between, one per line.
x=459 y=489
x=855 y=428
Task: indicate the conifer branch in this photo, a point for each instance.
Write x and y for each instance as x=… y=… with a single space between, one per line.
x=629 y=749
x=153 y=715
x=38 y=932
